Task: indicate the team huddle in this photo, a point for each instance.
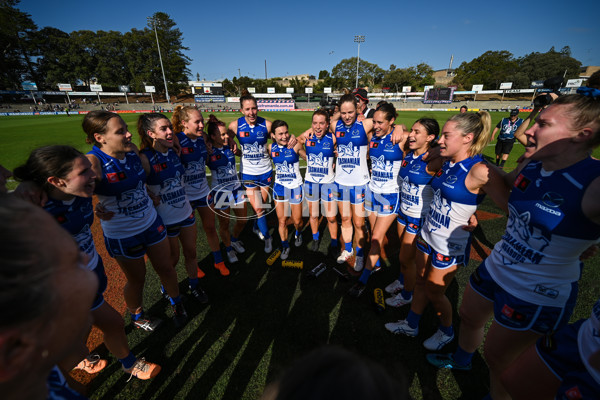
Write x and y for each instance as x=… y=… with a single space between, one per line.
x=370 y=174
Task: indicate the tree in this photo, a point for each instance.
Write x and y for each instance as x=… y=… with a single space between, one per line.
x=490 y=69
x=298 y=84
x=171 y=46
x=16 y=52
x=323 y=74
x=541 y=66
x=52 y=45
x=416 y=77
x=368 y=74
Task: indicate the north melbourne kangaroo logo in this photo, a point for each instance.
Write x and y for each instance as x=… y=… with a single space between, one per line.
x=285 y=171
x=131 y=201
x=519 y=231
x=226 y=172
x=194 y=174
x=317 y=165
x=438 y=214
x=253 y=152
x=348 y=157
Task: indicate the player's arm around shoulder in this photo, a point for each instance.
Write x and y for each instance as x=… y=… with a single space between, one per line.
x=485 y=178
x=96 y=167
x=299 y=149
x=145 y=163
x=590 y=204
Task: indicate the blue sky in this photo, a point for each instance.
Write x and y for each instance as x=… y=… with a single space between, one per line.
x=309 y=36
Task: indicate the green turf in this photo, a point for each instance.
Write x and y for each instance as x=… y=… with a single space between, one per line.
x=261 y=318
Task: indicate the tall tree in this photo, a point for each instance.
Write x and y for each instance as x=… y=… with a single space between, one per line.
x=53 y=46
x=416 y=77
x=175 y=62
x=490 y=69
x=16 y=52
x=541 y=66
x=368 y=74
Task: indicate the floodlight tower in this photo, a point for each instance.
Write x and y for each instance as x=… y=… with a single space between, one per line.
x=358 y=39
x=155 y=22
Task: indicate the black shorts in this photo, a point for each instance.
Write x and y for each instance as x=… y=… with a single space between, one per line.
x=504 y=146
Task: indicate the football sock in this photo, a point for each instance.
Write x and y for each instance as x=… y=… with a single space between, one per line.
x=364 y=277
x=217 y=256
x=413 y=319
x=128 y=361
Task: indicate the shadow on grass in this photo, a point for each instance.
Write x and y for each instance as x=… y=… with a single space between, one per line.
x=261 y=318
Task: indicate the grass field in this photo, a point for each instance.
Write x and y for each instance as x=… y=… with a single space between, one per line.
x=261 y=318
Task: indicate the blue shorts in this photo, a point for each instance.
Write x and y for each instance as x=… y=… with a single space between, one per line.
x=223 y=199
x=174 y=229
x=281 y=194
x=203 y=202
x=353 y=194
x=413 y=225
x=382 y=203
x=320 y=191
x=439 y=260
x=560 y=353
x=252 y=181
x=102 y=283
x=519 y=315
x=135 y=246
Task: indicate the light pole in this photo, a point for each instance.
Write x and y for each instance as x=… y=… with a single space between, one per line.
x=154 y=22
x=358 y=39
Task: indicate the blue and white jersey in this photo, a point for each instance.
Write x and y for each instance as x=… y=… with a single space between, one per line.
x=588 y=340
x=451 y=207
x=287 y=166
x=193 y=157
x=253 y=140
x=122 y=190
x=351 y=165
x=538 y=256
x=77 y=217
x=222 y=165
x=508 y=128
x=386 y=160
x=166 y=181
x=416 y=186
x=320 y=157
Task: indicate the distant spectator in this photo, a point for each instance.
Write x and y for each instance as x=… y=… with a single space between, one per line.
x=463 y=109
x=362 y=100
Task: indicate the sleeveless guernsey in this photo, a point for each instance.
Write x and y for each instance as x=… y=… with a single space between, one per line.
x=166 y=181
x=319 y=168
x=451 y=208
x=386 y=159
x=193 y=157
x=76 y=216
x=538 y=256
x=416 y=186
x=253 y=139
x=351 y=165
x=122 y=190
x=287 y=166
x=222 y=164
